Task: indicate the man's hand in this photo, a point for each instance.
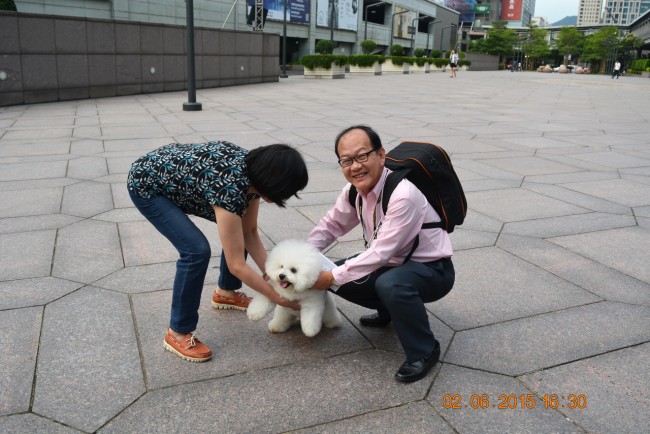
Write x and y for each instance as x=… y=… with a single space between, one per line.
x=324 y=281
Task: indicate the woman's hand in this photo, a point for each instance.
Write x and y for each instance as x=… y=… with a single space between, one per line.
x=286 y=303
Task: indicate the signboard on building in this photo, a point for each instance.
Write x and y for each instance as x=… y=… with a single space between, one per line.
x=482 y=9
x=344 y=12
x=511 y=10
x=297 y=10
x=465 y=7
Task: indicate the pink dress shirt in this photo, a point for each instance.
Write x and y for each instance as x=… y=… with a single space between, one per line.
x=391 y=237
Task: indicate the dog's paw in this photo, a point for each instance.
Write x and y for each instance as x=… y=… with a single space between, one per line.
x=310 y=329
x=331 y=323
x=276 y=326
x=259 y=308
x=332 y=318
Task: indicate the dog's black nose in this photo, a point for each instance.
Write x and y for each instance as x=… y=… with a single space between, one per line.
x=282 y=276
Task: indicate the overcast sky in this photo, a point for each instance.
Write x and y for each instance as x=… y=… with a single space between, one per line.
x=555 y=10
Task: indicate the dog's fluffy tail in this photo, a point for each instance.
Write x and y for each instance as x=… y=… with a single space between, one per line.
x=259 y=307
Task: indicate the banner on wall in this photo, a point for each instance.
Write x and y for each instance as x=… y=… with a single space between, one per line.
x=344 y=12
x=465 y=7
x=511 y=10
x=402 y=19
x=297 y=10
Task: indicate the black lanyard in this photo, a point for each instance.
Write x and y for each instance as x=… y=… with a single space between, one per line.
x=374 y=219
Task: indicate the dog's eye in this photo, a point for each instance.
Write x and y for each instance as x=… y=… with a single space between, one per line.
x=293 y=270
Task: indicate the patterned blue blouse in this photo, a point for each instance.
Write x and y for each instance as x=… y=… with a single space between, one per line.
x=195 y=177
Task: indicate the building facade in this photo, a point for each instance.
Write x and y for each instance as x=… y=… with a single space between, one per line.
x=518 y=13
x=590 y=12
x=487 y=11
x=413 y=24
x=624 y=12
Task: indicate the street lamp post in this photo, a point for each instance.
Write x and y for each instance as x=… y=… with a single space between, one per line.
x=431 y=23
x=365 y=29
x=613 y=48
x=412 y=29
x=191 y=104
x=442 y=32
x=332 y=4
x=392 y=24
x=284 y=44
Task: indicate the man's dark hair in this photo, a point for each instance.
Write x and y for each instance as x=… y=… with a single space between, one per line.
x=277 y=172
x=372 y=135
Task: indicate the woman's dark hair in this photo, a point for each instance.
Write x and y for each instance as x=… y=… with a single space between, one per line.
x=277 y=172
x=372 y=135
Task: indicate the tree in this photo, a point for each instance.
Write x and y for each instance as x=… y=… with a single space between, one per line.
x=499 y=41
x=570 y=42
x=535 y=45
x=7 y=5
x=629 y=47
x=601 y=46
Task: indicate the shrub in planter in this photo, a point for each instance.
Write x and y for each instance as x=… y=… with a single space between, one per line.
x=368 y=46
x=7 y=5
x=396 y=50
x=464 y=62
x=641 y=64
x=313 y=61
x=365 y=59
x=436 y=54
x=441 y=63
x=324 y=46
x=420 y=61
x=419 y=52
x=401 y=60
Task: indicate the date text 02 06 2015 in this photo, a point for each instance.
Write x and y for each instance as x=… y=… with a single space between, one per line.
x=512 y=401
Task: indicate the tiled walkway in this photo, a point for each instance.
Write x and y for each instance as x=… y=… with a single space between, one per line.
x=551 y=307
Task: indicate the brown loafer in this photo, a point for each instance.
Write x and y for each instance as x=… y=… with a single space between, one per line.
x=188 y=347
x=240 y=301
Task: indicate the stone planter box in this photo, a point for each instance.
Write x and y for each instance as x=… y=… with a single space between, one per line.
x=424 y=69
x=390 y=68
x=375 y=69
x=334 y=72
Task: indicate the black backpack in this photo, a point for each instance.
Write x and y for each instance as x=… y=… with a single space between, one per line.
x=429 y=168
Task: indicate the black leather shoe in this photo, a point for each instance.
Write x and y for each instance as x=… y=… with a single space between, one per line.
x=410 y=372
x=374 y=320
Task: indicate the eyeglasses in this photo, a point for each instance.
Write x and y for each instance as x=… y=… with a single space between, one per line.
x=361 y=158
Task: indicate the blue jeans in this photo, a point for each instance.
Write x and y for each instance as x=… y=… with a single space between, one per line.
x=192 y=266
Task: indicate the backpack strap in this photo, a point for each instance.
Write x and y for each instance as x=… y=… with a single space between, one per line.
x=352 y=196
x=393 y=178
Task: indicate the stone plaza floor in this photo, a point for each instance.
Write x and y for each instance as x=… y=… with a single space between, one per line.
x=546 y=330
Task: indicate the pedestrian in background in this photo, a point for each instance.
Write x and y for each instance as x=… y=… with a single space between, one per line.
x=453 y=63
x=617 y=70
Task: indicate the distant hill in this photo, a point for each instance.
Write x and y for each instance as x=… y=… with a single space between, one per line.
x=567 y=21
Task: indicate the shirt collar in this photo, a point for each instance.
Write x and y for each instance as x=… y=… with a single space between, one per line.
x=374 y=194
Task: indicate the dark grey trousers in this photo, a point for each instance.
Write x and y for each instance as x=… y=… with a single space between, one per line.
x=400 y=293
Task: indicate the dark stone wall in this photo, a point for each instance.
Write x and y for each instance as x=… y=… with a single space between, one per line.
x=483 y=62
x=47 y=58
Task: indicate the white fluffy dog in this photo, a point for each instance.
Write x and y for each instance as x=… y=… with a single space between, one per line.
x=293 y=267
